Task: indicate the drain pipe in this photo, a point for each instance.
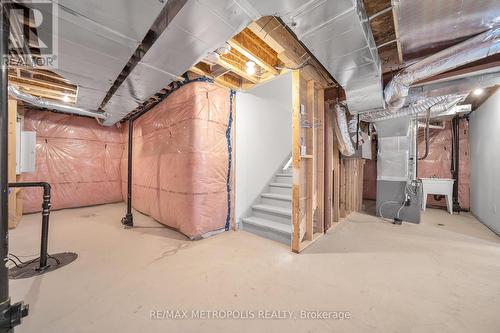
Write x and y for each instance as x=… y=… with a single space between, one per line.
x=455 y=161
x=10 y=314
x=39 y=102
x=128 y=220
x=427 y=121
x=45 y=220
x=476 y=48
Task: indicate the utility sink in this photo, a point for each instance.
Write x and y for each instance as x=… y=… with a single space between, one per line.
x=439 y=186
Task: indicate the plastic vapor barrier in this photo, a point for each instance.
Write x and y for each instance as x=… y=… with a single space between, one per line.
x=79 y=158
x=181 y=160
x=439 y=161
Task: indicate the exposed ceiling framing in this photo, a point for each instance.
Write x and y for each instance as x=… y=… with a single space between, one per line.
x=45 y=84
x=271 y=47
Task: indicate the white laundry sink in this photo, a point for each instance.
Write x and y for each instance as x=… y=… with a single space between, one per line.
x=438 y=186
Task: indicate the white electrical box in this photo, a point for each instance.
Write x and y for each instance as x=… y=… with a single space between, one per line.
x=26 y=148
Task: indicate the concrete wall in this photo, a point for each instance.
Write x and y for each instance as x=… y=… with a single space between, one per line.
x=485 y=162
x=263 y=138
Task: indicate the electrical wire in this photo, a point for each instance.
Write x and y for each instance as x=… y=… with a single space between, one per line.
x=23 y=264
x=383 y=204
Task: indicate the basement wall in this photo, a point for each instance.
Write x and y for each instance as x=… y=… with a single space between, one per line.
x=263 y=138
x=437 y=164
x=485 y=162
x=181 y=160
x=79 y=158
x=439 y=161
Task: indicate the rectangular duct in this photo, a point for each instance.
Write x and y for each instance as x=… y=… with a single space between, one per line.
x=338 y=34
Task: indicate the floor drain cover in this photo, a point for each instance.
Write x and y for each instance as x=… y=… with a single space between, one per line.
x=55 y=261
x=440 y=224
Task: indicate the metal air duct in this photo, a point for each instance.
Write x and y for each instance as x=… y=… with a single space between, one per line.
x=476 y=48
x=39 y=102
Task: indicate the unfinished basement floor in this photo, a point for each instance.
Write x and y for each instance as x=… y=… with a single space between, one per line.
x=439 y=276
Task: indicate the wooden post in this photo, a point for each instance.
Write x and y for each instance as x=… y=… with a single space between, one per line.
x=15 y=201
x=310 y=134
x=296 y=160
x=320 y=165
x=342 y=189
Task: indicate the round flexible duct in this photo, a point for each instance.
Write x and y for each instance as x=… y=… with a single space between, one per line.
x=342 y=130
x=39 y=102
x=476 y=48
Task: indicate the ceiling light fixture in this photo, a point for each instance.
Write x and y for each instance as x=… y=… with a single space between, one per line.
x=66 y=99
x=478 y=92
x=250 y=68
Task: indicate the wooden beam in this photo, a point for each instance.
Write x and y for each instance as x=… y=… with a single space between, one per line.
x=223 y=61
x=396 y=32
x=289 y=50
x=224 y=80
x=43 y=84
x=45 y=93
x=252 y=47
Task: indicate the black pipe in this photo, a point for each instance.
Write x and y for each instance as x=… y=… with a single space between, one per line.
x=455 y=152
x=416 y=147
x=128 y=220
x=45 y=220
x=10 y=315
x=4 y=195
x=357 y=132
x=426 y=134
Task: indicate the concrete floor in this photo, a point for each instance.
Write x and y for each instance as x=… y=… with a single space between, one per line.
x=409 y=278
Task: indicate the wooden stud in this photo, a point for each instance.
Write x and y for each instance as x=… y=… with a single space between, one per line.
x=336 y=178
x=296 y=160
x=328 y=170
x=320 y=164
x=15 y=211
x=342 y=196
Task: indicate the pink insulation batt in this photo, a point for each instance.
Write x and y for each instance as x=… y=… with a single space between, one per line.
x=438 y=162
x=180 y=160
x=79 y=158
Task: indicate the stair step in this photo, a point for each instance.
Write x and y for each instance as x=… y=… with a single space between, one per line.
x=276 y=199
x=280 y=188
x=268 y=229
x=274 y=213
x=283 y=178
x=284 y=174
x=285 y=185
x=269 y=225
x=277 y=196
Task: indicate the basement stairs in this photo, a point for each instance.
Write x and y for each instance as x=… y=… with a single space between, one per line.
x=272 y=215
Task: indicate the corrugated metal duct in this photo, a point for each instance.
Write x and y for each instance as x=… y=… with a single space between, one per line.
x=476 y=48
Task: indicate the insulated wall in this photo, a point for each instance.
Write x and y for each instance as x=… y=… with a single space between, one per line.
x=79 y=158
x=181 y=160
x=263 y=138
x=438 y=163
x=485 y=162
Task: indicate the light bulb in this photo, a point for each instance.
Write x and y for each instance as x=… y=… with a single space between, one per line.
x=478 y=92
x=250 y=67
